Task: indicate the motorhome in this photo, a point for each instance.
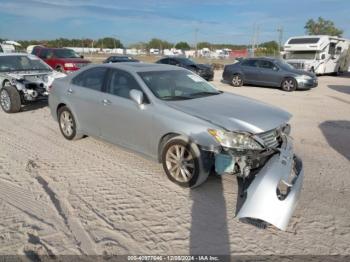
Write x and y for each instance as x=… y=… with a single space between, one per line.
x=321 y=54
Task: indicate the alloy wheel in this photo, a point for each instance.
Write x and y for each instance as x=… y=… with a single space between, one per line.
x=67 y=124
x=288 y=85
x=180 y=163
x=5 y=100
x=236 y=80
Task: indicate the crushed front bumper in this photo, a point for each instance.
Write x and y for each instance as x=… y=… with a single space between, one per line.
x=263 y=200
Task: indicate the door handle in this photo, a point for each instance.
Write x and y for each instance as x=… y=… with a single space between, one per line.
x=106 y=102
x=70 y=91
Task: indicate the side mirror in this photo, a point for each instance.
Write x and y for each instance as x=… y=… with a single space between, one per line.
x=275 y=68
x=323 y=56
x=81 y=56
x=136 y=96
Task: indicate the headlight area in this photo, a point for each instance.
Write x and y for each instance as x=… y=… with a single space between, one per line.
x=240 y=153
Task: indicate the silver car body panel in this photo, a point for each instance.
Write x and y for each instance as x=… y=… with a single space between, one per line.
x=262 y=201
x=141 y=129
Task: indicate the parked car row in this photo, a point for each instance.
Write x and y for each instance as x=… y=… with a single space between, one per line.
x=174 y=116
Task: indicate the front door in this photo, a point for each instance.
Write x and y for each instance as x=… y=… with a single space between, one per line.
x=123 y=121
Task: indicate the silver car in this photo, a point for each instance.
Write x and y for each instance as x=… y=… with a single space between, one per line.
x=24 y=78
x=177 y=118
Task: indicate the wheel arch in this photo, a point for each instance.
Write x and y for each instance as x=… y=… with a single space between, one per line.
x=163 y=140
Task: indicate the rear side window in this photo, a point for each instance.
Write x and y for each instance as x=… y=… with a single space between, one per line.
x=91 y=78
x=250 y=62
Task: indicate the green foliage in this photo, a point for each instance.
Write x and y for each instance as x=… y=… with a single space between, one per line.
x=269 y=48
x=202 y=45
x=109 y=42
x=182 y=46
x=159 y=44
x=322 y=27
x=106 y=42
x=138 y=45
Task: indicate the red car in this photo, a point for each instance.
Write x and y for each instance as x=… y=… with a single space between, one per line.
x=61 y=59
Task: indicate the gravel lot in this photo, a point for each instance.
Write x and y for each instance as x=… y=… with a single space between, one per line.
x=90 y=197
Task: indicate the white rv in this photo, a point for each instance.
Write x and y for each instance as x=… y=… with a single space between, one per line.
x=321 y=54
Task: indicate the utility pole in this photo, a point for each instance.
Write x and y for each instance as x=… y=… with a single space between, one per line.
x=254 y=39
x=280 y=37
x=257 y=36
x=195 y=40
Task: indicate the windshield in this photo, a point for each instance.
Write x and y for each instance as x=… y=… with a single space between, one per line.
x=301 y=55
x=177 y=85
x=186 y=61
x=21 y=63
x=66 y=53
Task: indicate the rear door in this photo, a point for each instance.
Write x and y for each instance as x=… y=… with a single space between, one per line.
x=122 y=121
x=251 y=71
x=269 y=73
x=84 y=94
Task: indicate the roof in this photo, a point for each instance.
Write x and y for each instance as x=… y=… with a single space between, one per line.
x=263 y=58
x=142 y=67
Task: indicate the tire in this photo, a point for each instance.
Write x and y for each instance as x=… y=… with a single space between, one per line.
x=10 y=99
x=67 y=123
x=60 y=69
x=237 y=80
x=289 y=84
x=198 y=164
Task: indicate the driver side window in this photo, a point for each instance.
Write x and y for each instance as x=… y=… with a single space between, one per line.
x=121 y=83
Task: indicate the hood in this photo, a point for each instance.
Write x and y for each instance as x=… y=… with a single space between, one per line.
x=234 y=112
x=302 y=72
x=199 y=66
x=21 y=74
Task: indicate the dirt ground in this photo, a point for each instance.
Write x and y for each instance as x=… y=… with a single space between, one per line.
x=91 y=197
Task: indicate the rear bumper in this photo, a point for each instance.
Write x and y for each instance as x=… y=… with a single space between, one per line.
x=262 y=198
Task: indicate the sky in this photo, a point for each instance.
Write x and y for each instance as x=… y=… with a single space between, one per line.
x=216 y=21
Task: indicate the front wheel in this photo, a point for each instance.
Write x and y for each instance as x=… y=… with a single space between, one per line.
x=289 y=85
x=10 y=99
x=183 y=162
x=237 y=80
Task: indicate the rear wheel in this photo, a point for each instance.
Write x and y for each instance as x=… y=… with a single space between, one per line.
x=237 y=80
x=67 y=123
x=10 y=99
x=183 y=162
x=289 y=85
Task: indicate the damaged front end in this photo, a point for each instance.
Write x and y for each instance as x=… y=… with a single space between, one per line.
x=33 y=85
x=272 y=176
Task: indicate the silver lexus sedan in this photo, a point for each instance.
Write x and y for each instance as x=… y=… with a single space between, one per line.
x=177 y=118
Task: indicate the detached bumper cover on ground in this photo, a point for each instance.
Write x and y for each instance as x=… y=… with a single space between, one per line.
x=263 y=201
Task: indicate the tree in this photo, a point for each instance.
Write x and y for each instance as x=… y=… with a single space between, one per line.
x=159 y=44
x=202 y=45
x=322 y=27
x=109 y=42
x=138 y=45
x=182 y=46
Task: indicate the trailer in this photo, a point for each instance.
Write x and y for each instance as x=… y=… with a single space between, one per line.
x=321 y=54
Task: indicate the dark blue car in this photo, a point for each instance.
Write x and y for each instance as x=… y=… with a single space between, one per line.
x=268 y=72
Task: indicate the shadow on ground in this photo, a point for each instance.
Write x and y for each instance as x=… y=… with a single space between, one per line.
x=340 y=88
x=34 y=105
x=209 y=229
x=337 y=134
